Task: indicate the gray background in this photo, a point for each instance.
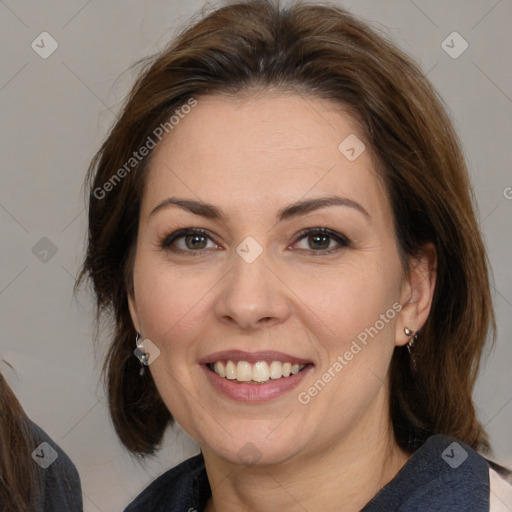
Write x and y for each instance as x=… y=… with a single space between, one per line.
x=55 y=113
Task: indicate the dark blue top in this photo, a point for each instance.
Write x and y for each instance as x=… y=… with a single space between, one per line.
x=443 y=475
x=59 y=483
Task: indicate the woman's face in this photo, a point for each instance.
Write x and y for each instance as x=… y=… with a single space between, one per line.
x=250 y=271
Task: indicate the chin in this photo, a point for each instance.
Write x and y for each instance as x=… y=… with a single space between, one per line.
x=258 y=450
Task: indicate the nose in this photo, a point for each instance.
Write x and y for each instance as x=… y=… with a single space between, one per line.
x=252 y=295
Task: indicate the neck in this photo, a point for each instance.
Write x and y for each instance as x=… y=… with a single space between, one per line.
x=342 y=477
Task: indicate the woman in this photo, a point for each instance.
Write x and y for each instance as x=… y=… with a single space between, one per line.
x=281 y=226
x=35 y=474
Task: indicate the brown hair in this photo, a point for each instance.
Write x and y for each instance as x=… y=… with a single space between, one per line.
x=18 y=478
x=324 y=52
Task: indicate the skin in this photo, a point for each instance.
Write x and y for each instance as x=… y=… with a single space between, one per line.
x=251 y=156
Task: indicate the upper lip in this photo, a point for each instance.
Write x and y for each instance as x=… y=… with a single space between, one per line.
x=252 y=357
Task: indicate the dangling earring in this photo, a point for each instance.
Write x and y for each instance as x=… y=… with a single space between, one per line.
x=140 y=354
x=413 y=336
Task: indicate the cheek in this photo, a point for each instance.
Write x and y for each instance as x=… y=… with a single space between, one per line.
x=349 y=299
x=358 y=312
x=170 y=302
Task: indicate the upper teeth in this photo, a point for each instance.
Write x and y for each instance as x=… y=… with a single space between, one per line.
x=260 y=371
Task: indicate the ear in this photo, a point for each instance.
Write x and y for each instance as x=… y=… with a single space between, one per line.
x=129 y=280
x=417 y=293
x=132 y=306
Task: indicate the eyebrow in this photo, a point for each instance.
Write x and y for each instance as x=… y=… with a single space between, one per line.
x=293 y=210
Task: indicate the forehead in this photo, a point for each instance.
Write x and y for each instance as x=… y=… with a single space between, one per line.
x=261 y=150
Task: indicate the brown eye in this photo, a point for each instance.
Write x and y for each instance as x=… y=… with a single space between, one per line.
x=319 y=241
x=195 y=241
x=192 y=241
x=322 y=241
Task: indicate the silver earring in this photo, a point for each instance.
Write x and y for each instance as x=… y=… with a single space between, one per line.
x=140 y=354
x=413 y=336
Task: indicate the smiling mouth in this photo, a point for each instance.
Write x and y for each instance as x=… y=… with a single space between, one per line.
x=258 y=372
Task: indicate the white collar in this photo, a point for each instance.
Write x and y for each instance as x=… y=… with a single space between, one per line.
x=500 y=499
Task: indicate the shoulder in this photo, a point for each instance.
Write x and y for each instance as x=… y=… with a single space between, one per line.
x=443 y=474
x=58 y=477
x=183 y=487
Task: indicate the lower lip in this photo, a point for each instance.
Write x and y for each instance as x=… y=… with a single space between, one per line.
x=255 y=393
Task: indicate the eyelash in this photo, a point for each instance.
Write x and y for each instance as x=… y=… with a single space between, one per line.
x=167 y=241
